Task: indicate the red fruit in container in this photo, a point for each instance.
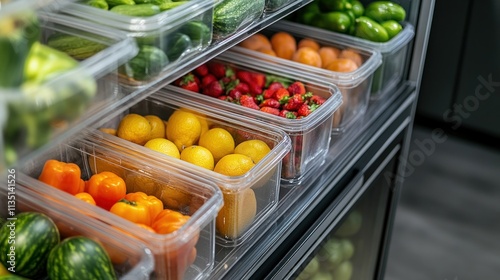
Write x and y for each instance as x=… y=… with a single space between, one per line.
x=214 y=89
x=317 y=100
x=273 y=103
x=189 y=82
x=294 y=102
x=205 y=81
x=282 y=95
x=271 y=110
x=235 y=93
x=249 y=102
x=219 y=70
x=297 y=88
x=288 y=114
x=201 y=70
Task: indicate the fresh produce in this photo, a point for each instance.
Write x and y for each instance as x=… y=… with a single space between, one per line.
x=138 y=10
x=378 y=21
x=63 y=176
x=267 y=93
x=148 y=63
x=79 y=257
x=237 y=213
x=85 y=196
x=77 y=47
x=106 y=188
x=272 y=5
x=138 y=207
x=305 y=50
x=168 y=221
x=35 y=236
x=230 y=15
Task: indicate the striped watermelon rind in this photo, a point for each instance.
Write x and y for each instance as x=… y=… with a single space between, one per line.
x=35 y=236
x=80 y=257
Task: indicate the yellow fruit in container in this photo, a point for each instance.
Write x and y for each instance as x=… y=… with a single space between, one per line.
x=218 y=141
x=134 y=128
x=184 y=129
x=163 y=146
x=237 y=213
x=157 y=126
x=199 y=156
x=234 y=165
x=256 y=149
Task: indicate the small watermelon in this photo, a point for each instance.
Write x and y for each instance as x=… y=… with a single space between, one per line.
x=80 y=257
x=26 y=241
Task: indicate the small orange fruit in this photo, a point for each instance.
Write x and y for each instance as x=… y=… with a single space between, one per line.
x=307 y=55
x=342 y=65
x=267 y=51
x=307 y=42
x=328 y=54
x=353 y=55
x=256 y=41
x=283 y=44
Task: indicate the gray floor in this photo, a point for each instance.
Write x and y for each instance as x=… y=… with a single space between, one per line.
x=447 y=225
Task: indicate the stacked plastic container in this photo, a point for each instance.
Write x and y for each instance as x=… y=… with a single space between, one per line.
x=186 y=253
x=165 y=33
x=310 y=135
x=393 y=52
x=131 y=259
x=47 y=94
x=355 y=86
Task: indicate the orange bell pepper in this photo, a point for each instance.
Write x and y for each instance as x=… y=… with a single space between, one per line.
x=154 y=204
x=133 y=211
x=63 y=176
x=106 y=188
x=85 y=196
x=169 y=221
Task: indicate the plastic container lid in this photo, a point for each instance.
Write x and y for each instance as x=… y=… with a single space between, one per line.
x=165 y=20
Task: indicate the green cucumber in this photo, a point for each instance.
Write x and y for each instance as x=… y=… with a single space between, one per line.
x=100 y=4
x=80 y=257
x=75 y=46
x=369 y=29
x=385 y=10
x=137 y=10
x=36 y=235
x=177 y=45
x=198 y=32
x=170 y=5
x=155 y=2
x=230 y=15
x=112 y=3
x=148 y=63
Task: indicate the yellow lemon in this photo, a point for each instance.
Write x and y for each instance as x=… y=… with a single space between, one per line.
x=163 y=146
x=183 y=129
x=237 y=213
x=199 y=156
x=218 y=141
x=255 y=149
x=201 y=118
x=134 y=128
x=234 y=165
x=157 y=126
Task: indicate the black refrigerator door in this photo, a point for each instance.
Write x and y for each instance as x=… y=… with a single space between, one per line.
x=346 y=241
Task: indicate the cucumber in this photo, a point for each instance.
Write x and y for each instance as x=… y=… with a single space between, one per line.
x=229 y=15
x=155 y=2
x=177 y=45
x=170 y=5
x=100 y=4
x=137 y=10
x=112 y=3
x=198 y=32
x=76 y=47
x=148 y=63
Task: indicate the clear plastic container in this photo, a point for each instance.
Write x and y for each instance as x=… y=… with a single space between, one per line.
x=164 y=39
x=188 y=252
x=354 y=86
x=394 y=58
x=232 y=16
x=38 y=109
x=273 y=5
x=310 y=135
x=248 y=198
x=130 y=257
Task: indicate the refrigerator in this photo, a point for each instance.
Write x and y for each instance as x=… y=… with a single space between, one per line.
x=336 y=223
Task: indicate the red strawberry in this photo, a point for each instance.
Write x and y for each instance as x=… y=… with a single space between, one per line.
x=243 y=87
x=189 y=82
x=274 y=86
x=244 y=76
x=255 y=81
x=205 y=81
x=282 y=95
x=297 y=88
x=267 y=93
x=305 y=110
x=219 y=70
x=294 y=102
x=259 y=79
x=315 y=99
x=201 y=70
x=270 y=110
x=248 y=101
x=288 y=114
x=235 y=93
x=214 y=89
x=273 y=103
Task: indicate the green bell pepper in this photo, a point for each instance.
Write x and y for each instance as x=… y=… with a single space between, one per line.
x=385 y=10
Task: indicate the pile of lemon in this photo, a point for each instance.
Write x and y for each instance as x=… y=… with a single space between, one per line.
x=187 y=136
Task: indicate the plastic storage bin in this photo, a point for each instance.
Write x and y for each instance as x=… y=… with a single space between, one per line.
x=188 y=252
x=394 y=58
x=248 y=198
x=38 y=107
x=163 y=39
x=355 y=86
x=310 y=135
x=232 y=16
x=131 y=259
x=273 y=5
